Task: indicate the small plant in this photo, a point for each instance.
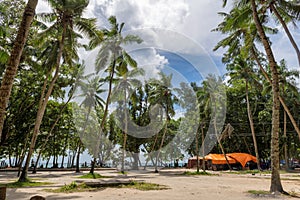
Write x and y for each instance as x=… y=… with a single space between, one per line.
x=70 y=187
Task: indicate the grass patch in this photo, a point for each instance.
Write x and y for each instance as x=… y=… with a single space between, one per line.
x=82 y=187
x=198 y=173
x=72 y=187
x=28 y=183
x=144 y=186
x=93 y=176
x=259 y=192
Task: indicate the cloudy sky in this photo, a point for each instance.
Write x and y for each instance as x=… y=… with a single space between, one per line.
x=179 y=28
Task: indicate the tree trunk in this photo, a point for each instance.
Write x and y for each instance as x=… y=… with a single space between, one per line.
x=286 y=29
x=14 y=60
x=162 y=141
x=285 y=143
x=197 y=150
x=42 y=107
x=252 y=126
x=203 y=149
x=78 y=158
x=93 y=162
x=125 y=134
x=275 y=177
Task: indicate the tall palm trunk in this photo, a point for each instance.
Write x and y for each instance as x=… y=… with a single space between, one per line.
x=285 y=143
x=252 y=126
x=42 y=107
x=14 y=60
x=110 y=83
x=287 y=31
x=50 y=133
x=197 y=150
x=162 y=140
x=275 y=177
x=78 y=158
x=125 y=134
x=286 y=109
x=203 y=149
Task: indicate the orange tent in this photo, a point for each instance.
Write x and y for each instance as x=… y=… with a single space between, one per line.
x=242 y=158
x=219 y=159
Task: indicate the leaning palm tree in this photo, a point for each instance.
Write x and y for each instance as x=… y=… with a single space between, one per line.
x=65 y=18
x=111 y=56
x=14 y=60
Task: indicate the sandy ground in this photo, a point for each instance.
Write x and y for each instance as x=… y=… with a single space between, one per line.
x=223 y=186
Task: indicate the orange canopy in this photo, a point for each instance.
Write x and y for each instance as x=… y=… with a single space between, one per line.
x=219 y=159
x=232 y=158
x=242 y=158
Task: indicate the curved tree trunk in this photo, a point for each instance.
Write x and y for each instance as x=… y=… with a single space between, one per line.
x=275 y=177
x=42 y=107
x=287 y=31
x=252 y=126
x=14 y=60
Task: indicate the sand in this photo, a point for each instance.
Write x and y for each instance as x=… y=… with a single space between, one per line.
x=222 y=186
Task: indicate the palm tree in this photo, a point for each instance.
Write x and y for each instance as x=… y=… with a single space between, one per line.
x=125 y=86
x=161 y=93
x=241 y=40
x=275 y=177
x=91 y=91
x=241 y=69
x=111 y=56
x=14 y=59
x=214 y=99
x=65 y=18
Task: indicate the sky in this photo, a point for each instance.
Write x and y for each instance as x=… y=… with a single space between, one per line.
x=177 y=36
x=176 y=27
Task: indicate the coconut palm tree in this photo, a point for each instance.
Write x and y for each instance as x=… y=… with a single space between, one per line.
x=91 y=91
x=64 y=20
x=161 y=93
x=275 y=177
x=112 y=56
x=14 y=59
x=243 y=34
x=126 y=84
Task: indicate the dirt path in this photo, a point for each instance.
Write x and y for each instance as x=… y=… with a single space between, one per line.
x=223 y=186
